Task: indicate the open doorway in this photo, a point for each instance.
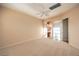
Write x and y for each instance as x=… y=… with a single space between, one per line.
x=65 y=30
x=57 y=30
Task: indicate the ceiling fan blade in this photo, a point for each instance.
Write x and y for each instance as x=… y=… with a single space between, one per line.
x=54 y=6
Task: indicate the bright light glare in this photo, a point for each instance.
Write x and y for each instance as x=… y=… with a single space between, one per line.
x=45 y=32
x=56 y=33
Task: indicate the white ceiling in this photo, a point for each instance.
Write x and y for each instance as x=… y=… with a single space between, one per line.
x=40 y=10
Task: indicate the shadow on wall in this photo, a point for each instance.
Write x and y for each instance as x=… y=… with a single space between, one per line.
x=1 y=27
x=1 y=33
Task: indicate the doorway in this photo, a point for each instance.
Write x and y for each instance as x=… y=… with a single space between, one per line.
x=65 y=30
x=60 y=30
x=57 y=30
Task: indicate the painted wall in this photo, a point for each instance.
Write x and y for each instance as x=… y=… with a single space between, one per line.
x=18 y=27
x=73 y=16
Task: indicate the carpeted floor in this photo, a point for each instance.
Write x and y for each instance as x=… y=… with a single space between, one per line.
x=41 y=47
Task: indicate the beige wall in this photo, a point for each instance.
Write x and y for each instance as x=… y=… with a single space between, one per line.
x=73 y=16
x=18 y=27
x=0 y=27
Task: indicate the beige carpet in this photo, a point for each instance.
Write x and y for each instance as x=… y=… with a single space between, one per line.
x=41 y=47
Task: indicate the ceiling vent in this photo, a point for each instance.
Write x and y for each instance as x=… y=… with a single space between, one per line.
x=54 y=6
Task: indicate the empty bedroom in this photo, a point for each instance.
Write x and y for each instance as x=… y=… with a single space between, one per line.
x=39 y=29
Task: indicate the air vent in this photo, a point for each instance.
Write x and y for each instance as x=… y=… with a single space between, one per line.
x=54 y=6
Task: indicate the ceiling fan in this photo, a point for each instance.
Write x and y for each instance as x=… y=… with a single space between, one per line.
x=55 y=6
x=45 y=13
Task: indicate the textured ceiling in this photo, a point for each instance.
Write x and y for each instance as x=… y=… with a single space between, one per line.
x=40 y=10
